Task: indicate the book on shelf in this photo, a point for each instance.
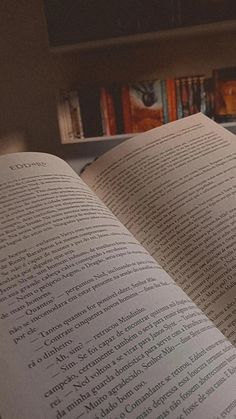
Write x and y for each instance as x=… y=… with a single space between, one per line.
x=155 y=15
x=116 y=108
x=126 y=108
x=171 y=100
x=179 y=106
x=165 y=102
x=144 y=105
x=71 y=125
x=107 y=114
x=67 y=132
x=90 y=107
x=117 y=293
x=225 y=94
x=193 y=95
x=91 y=111
x=184 y=89
x=111 y=109
x=84 y=22
x=75 y=114
x=198 y=12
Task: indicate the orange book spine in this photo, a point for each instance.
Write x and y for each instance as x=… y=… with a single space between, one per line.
x=171 y=98
x=111 y=112
x=126 y=107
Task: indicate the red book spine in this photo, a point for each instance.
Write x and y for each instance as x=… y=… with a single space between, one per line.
x=111 y=112
x=171 y=98
x=126 y=107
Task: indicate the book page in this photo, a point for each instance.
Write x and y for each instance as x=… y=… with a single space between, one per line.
x=90 y=325
x=174 y=189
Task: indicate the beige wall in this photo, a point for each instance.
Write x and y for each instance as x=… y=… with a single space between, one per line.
x=27 y=81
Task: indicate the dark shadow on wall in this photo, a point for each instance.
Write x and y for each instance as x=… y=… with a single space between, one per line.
x=28 y=79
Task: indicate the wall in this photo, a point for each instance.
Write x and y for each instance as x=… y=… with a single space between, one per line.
x=27 y=79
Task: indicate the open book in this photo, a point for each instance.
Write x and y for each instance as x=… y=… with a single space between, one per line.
x=117 y=291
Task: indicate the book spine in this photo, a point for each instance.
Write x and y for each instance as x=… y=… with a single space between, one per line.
x=126 y=107
x=61 y=118
x=196 y=94
x=208 y=82
x=178 y=99
x=104 y=112
x=184 y=96
x=190 y=95
x=111 y=111
x=64 y=118
x=203 y=106
x=90 y=105
x=171 y=95
x=117 y=101
x=165 y=103
x=76 y=119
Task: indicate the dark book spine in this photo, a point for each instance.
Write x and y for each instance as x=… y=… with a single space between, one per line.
x=165 y=101
x=203 y=107
x=178 y=99
x=184 y=96
x=208 y=82
x=190 y=95
x=116 y=94
x=196 y=94
x=89 y=99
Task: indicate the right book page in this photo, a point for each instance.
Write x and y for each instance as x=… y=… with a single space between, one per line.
x=174 y=189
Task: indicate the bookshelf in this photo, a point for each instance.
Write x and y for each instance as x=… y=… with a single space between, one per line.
x=105 y=138
x=144 y=38
x=121 y=137
x=161 y=54
x=230 y=125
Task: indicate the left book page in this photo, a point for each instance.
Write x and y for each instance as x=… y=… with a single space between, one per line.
x=90 y=325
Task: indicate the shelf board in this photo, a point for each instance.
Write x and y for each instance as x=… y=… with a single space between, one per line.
x=228 y=124
x=126 y=136
x=188 y=31
x=100 y=138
